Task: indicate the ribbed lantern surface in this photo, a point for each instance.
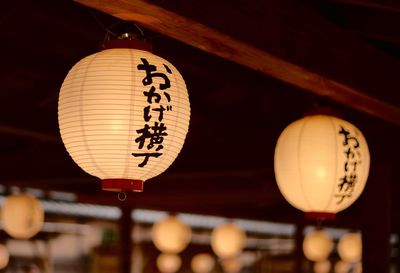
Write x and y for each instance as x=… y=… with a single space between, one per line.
x=123 y=116
x=321 y=164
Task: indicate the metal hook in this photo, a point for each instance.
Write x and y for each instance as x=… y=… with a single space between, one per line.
x=122 y=196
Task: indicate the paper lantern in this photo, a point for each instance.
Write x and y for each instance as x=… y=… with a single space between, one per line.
x=322 y=267
x=168 y=263
x=350 y=247
x=227 y=240
x=171 y=235
x=342 y=267
x=231 y=265
x=4 y=256
x=321 y=164
x=22 y=216
x=317 y=246
x=202 y=263
x=123 y=116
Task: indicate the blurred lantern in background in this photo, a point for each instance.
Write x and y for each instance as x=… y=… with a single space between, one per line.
x=322 y=267
x=228 y=240
x=202 y=263
x=4 y=256
x=231 y=265
x=123 y=114
x=321 y=165
x=350 y=247
x=168 y=263
x=170 y=235
x=22 y=216
x=342 y=267
x=317 y=245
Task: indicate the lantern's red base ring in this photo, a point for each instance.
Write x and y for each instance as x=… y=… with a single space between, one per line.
x=320 y=215
x=122 y=185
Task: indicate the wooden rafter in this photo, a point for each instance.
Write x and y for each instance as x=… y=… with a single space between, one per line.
x=215 y=42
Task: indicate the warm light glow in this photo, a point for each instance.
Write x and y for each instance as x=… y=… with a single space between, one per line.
x=22 y=216
x=350 y=247
x=321 y=164
x=342 y=267
x=227 y=240
x=168 y=263
x=115 y=125
x=231 y=265
x=317 y=246
x=202 y=263
x=171 y=235
x=4 y=256
x=322 y=267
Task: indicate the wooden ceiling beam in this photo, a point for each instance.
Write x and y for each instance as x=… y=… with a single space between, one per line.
x=223 y=45
x=392 y=6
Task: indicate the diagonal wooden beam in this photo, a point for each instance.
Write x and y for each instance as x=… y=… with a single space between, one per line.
x=210 y=40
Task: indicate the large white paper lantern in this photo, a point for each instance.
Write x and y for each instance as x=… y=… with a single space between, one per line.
x=202 y=263
x=321 y=164
x=350 y=247
x=317 y=246
x=171 y=235
x=168 y=263
x=123 y=116
x=22 y=216
x=228 y=240
x=4 y=256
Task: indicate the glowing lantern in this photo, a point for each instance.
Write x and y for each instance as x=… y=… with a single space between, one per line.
x=202 y=263
x=342 y=267
x=227 y=240
x=171 y=235
x=231 y=265
x=317 y=246
x=322 y=267
x=350 y=247
x=22 y=216
x=4 y=256
x=321 y=164
x=123 y=115
x=168 y=263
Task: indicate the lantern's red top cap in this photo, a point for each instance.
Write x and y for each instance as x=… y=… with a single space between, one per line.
x=127 y=43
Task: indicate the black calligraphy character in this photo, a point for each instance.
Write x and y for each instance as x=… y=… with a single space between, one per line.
x=146 y=113
x=146 y=157
x=349 y=153
x=150 y=74
x=342 y=197
x=346 y=134
x=156 y=136
x=349 y=181
x=152 y=94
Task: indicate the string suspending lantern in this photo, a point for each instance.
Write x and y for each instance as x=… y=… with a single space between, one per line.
x=321 y=165
x=171 y=235
x=123 y=114
x=317 y=245
x=22 y=216
x=228 y=240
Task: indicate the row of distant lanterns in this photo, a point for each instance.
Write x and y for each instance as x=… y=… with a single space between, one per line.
x=171 y=236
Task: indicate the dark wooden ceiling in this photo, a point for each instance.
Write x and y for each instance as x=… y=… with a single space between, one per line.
x=226 y=165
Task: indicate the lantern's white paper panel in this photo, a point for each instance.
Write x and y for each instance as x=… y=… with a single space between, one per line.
x=22 y=216
x=317 y=246
x=123 y=114
x=321 y=164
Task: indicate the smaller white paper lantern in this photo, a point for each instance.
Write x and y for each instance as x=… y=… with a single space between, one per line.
x=228 y=240
x=350 y=247
x=231 y=265
x=171 y=235
x=202 y=263
x=317 y=246
x=4 y=256
x=342 y=267
x=322 y=267
x=321 y=165
x=22 y=216
x=168 y=263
